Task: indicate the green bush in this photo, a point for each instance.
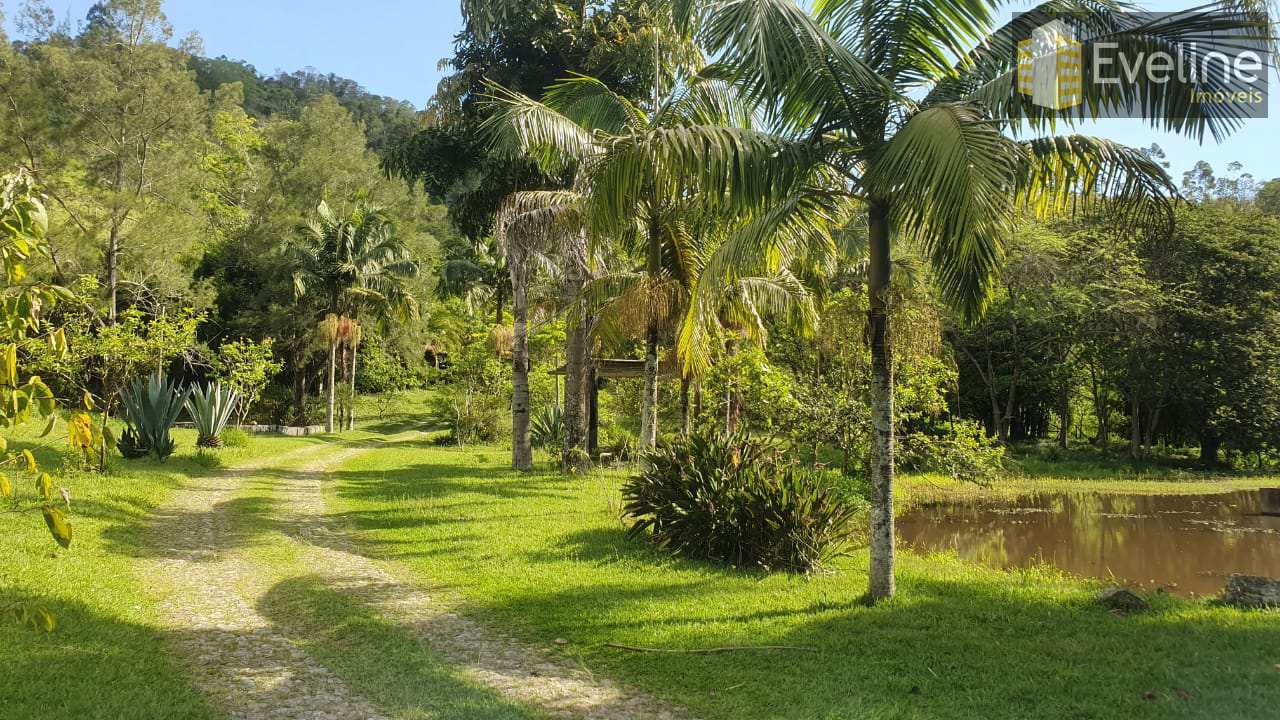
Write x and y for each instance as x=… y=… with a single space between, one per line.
x=733 y=499
x=471 y=418
x=964 y=452
x=235 y=437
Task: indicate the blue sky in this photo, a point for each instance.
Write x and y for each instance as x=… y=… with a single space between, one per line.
x=392 y=47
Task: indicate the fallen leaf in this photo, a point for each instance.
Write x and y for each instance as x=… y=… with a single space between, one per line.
x=1182 y=694
x=1148 y=695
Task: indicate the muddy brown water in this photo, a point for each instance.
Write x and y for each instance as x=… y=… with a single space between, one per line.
x=1187 y=544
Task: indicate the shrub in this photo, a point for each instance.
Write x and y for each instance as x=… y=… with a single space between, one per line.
x=471 y=418
x=131 y=445
x=732 y=499
x=235 y=437
x=151 y=407
x=964 y=452
x=210 y=408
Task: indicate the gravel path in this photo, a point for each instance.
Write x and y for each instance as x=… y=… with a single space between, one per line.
x=232 y=653
x=516 y=671
x=250 y=670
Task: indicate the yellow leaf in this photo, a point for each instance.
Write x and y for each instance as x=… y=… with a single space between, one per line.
x=58 y=525
x=48 y=428
x=6 y=487
x=44 y=484
x=88 y=400
x=9 y=366
x=45 y=620
x=4 y=444
x=31 y=461
x=80 y=432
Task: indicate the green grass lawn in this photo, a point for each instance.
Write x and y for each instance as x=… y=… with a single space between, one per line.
x=107 y=657
x=547 y=556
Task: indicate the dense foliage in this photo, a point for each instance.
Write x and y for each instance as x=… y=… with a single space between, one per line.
x=737 y=500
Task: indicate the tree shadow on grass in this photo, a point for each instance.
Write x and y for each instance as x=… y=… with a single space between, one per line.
x=378 y=659
x=979 y=645
x=437 y=480
x=92 y=666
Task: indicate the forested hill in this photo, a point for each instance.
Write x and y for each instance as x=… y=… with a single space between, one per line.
x=386 y=120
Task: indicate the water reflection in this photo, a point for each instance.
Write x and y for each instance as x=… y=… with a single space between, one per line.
x=1188 y=544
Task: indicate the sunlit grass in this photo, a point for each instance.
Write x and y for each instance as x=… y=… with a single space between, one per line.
x=548 y=556
x=107 y=657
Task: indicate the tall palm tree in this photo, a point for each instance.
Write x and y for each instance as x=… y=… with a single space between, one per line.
x=543 y=228
x=359 y=263
x=912 y=105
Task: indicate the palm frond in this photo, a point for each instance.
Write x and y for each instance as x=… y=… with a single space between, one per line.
x=951 y=175
x=520 y=125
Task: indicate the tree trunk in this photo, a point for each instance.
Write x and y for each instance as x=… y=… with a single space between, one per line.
x=1150 y=431
x=330 y=385
x=733 y=402
x=1064 y=418
x=113 y=270
x=299 y=387
x=576 y=454
x=351 y=411
x=342 y=400
x=521 y=442
x=1135 y=427
x=649 y=404
x=1210 y=444
x=686 y=420
x=882 y=585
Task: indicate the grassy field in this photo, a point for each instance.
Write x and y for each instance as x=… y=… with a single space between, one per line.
x=107 y=658
x=548 y=556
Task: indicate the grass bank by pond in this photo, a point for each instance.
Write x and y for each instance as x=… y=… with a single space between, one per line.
x=108 y=658
x=547 y=556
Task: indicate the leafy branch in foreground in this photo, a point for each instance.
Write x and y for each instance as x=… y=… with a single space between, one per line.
x=23 y=223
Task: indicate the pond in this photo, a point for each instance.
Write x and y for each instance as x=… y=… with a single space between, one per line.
x=1186 y=544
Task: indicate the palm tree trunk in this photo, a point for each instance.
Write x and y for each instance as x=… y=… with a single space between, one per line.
x=330 y=385
x=299 y=386
x=686 y=420
x=575 y=453
x=649 y=404
x=882 y=584
x=521 y=441
x=351 y=411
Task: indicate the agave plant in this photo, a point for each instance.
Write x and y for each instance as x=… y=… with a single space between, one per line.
x=210 y=409
x=151 y=408
x=547 y=428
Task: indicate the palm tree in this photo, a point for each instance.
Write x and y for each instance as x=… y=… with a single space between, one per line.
x=544 y=228
x=913 y=106
x=360 y=264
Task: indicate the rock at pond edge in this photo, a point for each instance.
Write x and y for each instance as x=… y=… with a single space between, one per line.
x=1251 y=591
x=1122 y=599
